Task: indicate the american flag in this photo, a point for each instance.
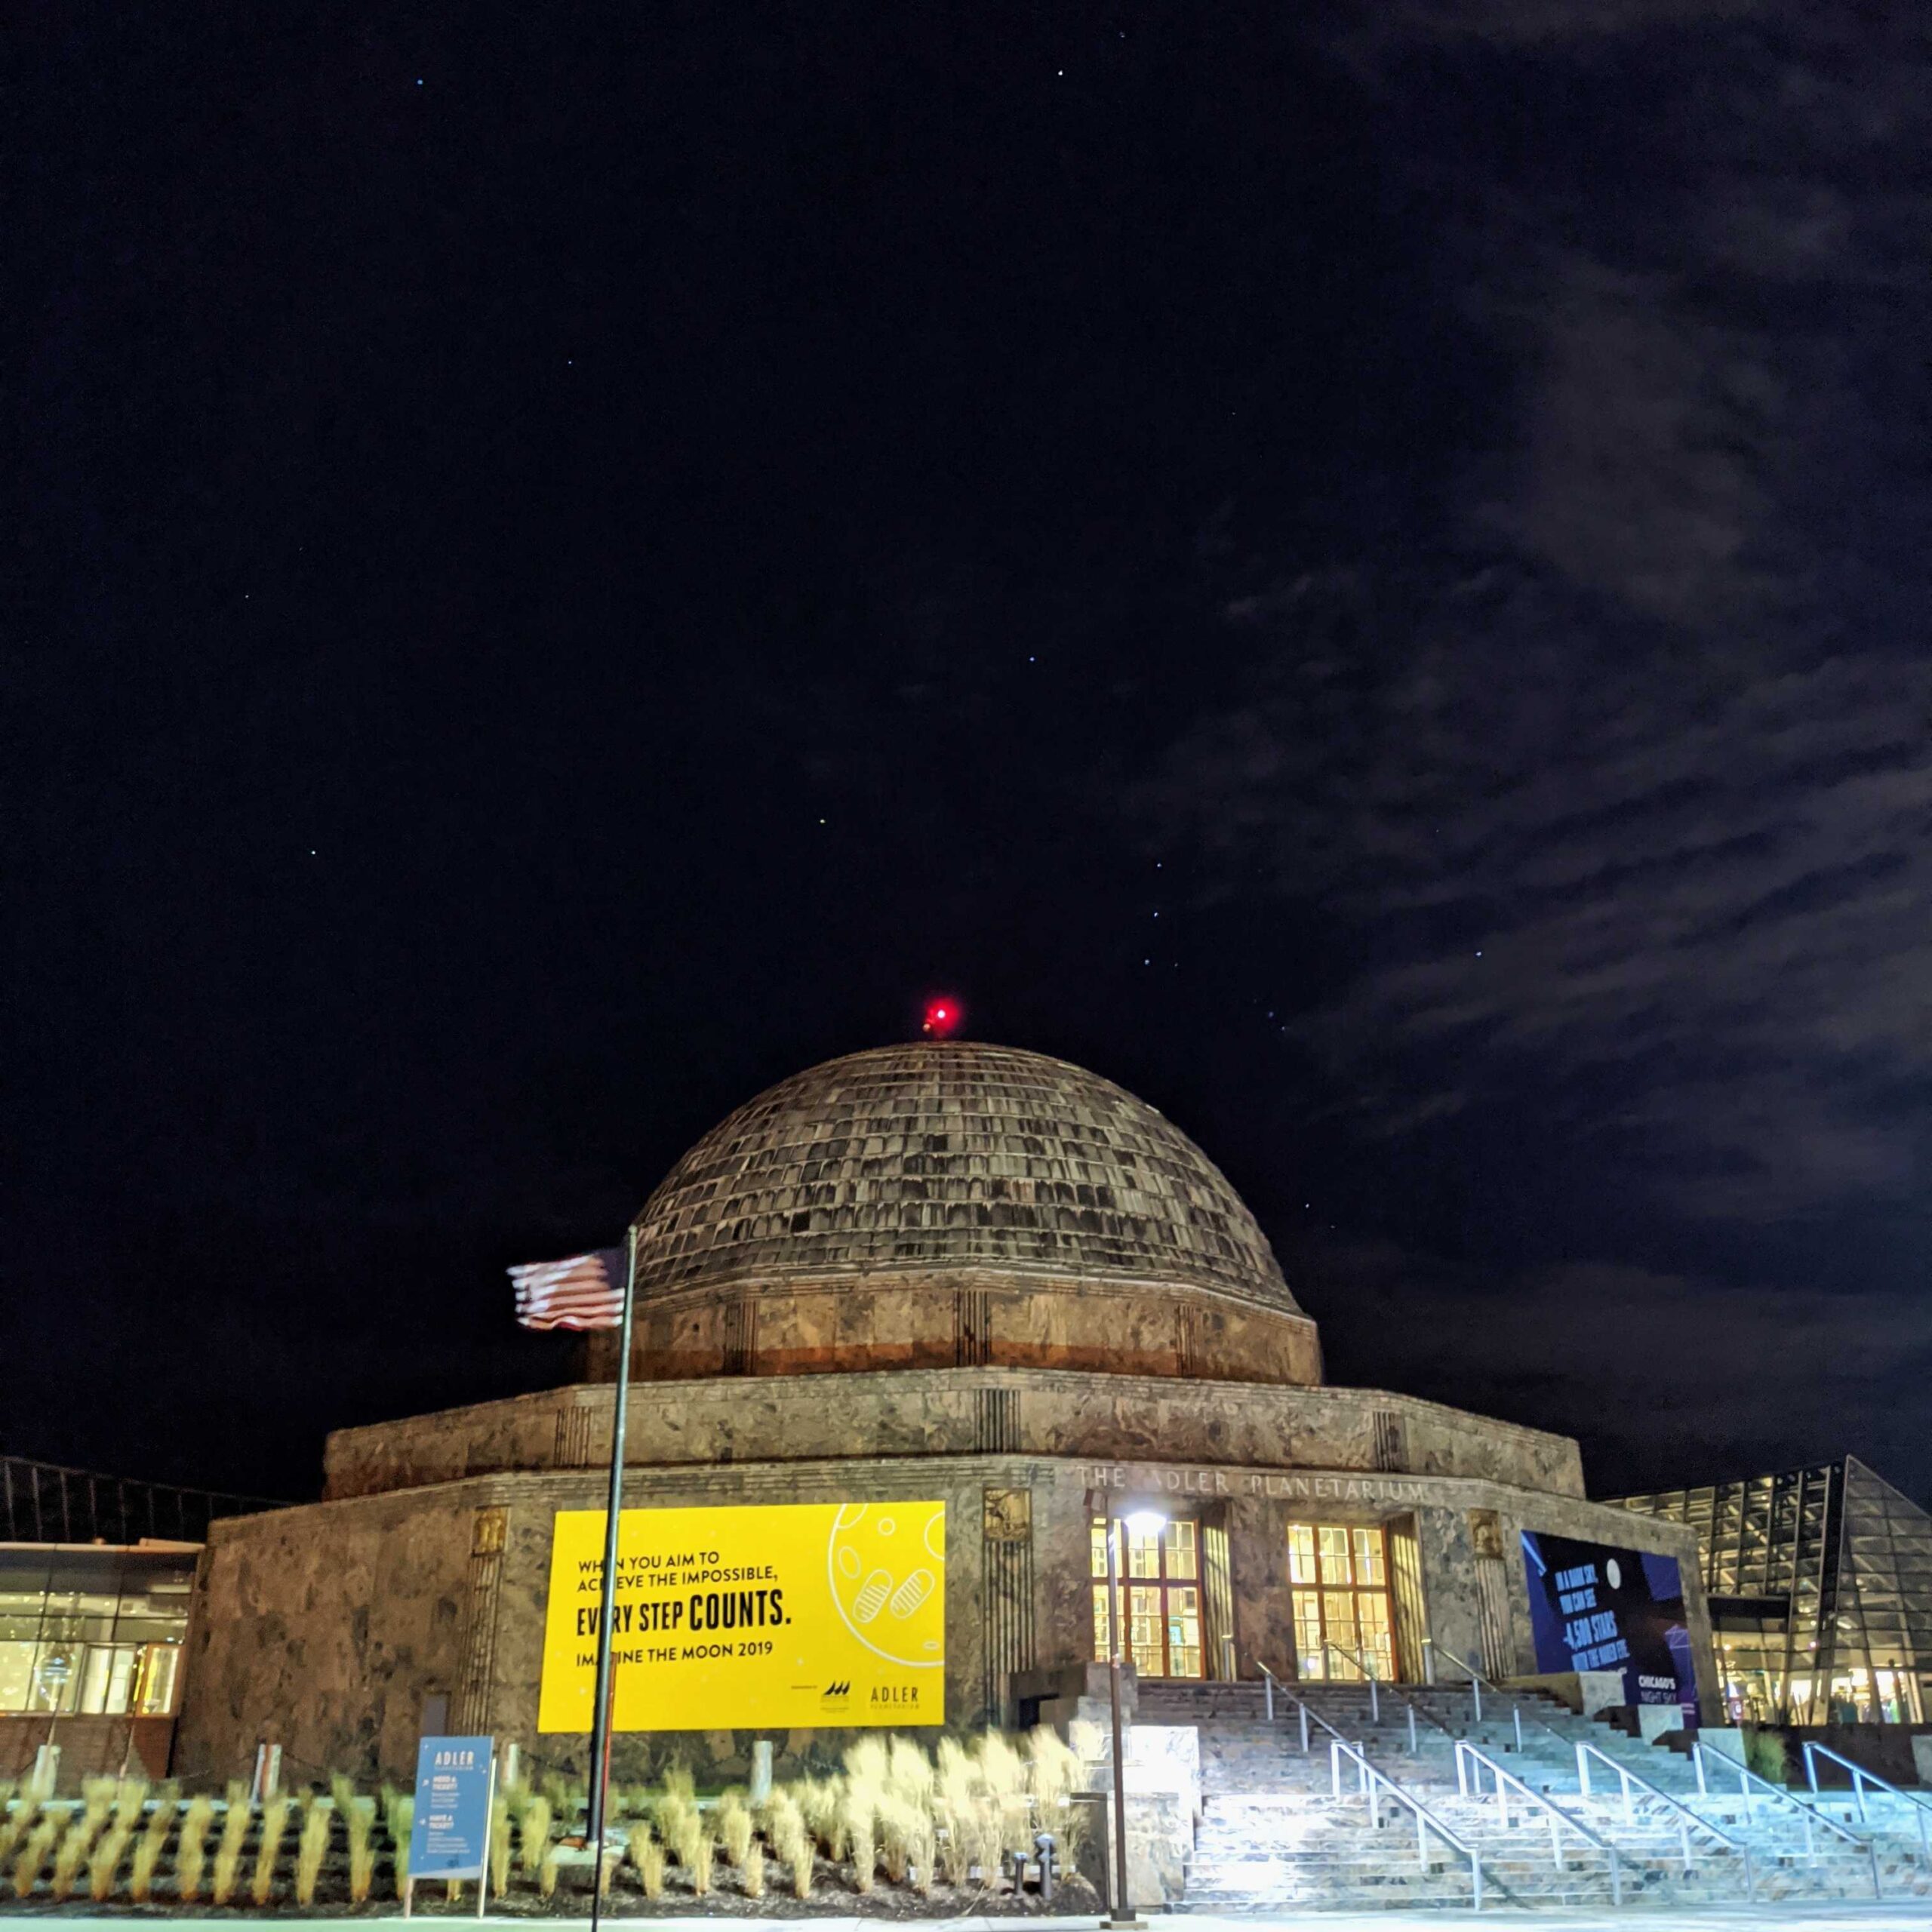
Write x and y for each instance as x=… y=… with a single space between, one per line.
x=587 y=1291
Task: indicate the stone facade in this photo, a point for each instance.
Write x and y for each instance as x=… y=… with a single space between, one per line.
x=329 y=1627
x=940 y=1412
x=945 y=1272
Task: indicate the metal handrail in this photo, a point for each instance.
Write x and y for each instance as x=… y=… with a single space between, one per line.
x=1747 y=1777
x=1408 y=1704
x=1558 y=1817
x=1860 y=1778
x=1270 y=1685
x=1686 y=1817
x=1374 y=1781
x=1479 y=1684
x=1373 y=1777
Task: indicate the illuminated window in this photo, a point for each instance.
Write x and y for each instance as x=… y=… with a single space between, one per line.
x=1340 y=1576
x=92 y=1632
x=1160 y=1591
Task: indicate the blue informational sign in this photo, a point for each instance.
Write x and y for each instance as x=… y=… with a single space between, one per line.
x=451 y=1835
x=1593 y=1607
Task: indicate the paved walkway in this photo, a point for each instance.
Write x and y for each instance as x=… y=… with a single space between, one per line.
x=1889 y=1917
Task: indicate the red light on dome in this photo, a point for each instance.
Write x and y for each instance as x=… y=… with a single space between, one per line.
x=941 y=1016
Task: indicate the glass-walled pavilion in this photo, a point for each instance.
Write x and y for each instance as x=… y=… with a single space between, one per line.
x=1820 y=1588
x=88 y=1631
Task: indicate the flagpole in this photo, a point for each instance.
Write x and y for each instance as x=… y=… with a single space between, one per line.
x=600 y=1727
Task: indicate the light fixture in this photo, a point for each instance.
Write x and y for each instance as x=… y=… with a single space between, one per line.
x=1145 y=1522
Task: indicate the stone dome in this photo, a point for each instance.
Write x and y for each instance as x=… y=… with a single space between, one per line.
x=952 y=1154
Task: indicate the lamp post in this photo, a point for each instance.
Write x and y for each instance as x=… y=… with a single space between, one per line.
x=1145 y=1522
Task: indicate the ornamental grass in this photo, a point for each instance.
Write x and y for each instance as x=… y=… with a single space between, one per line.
x=77 y=1842
x=33 y=1856
x=16 y=1824
x=499 y=1846
x=191 y=1854
x=534 y=1834
x=228 y=1849
x=312 y=1848
x=153 y=1842
x=732 y=1822
x=359 y=1821
x=750 y=1870
x=104 y=1861
x=402 y=1822
x=822 y=1802
x=646 y=1858
x=274 y=1822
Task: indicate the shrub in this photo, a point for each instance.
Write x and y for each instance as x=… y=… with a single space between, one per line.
x=33 y=1856
x=360 y=1823
x=191 y=1854
x=311 y=1849
x=734 y=1825
x=105 y=1862
x=751 y=1869
x=1764 y=1753
x=274 y=1822
x=534 y=1834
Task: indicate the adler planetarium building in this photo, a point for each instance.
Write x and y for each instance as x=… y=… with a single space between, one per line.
x=991 y=1296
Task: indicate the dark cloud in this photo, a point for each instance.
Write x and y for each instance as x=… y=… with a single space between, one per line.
x=1631 y=782
x=1665 y=1379
x=1611 y=804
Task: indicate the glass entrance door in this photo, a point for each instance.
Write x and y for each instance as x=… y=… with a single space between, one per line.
x=1160 y=1588
x=1339 y=1575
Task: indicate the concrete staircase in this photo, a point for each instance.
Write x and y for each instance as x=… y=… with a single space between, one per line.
x=1274 y=1835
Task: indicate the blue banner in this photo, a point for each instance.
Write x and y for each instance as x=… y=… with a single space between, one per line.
x=1593 y=1607
x=451 y=1838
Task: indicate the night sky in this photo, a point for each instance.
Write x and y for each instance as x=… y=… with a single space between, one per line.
x=1361 y=569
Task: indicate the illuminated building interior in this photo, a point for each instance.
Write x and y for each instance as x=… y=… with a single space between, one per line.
x=1820 y=1588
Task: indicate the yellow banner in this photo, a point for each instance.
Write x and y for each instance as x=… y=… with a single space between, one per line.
x=791 y=1614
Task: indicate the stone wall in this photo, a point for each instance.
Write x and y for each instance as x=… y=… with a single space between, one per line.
x=956 y=1412
x=961 y=1318
x=326 y=1628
